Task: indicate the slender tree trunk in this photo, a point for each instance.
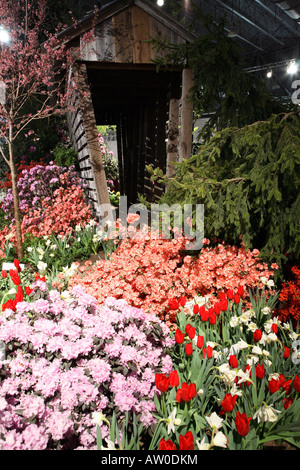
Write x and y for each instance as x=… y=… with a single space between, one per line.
x=17 y=214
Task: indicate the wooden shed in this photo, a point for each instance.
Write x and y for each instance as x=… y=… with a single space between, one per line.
x=119 y=85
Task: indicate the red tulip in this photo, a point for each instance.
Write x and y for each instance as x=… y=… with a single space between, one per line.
x=166 y=445
x=203 y=313
x=257 y=335
x=230 y=294
x=297 y=383
x=274 y=385
x=212 y=318
x=233 y=361
x=189 y=349
x=179 y=336
x=217 y=308
x=241 y=291
x=174 y=378
x=28 y=290
x=17 y=265
x=173 y=304
x=196 y=309
x=162 y=382
x=228 y=403
x=260 y=371
x=186 y=393
x=200 y=341
x=242 y=423
x=186 y=442
x=287 y=352
x=224 y=305
x=192 y=332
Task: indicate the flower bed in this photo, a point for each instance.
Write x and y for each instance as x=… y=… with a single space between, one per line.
x=290 y=298
x=147 y=272
x=51 y=202
x=236 y=381
x=79 y=375
x=68 y=358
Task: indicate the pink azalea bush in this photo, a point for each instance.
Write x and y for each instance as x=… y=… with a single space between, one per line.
x=147 y=272
x=51 y=201
x=37 y=184
x=67 y=359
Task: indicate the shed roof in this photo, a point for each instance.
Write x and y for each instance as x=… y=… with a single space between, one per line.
x=115 y=7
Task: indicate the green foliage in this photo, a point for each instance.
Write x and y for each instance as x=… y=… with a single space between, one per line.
x=248 y=181
x=221 y=87
x=64 y=155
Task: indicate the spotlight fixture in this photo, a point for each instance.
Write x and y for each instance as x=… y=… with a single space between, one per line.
x=4 y=35
x=269 y=73
x=292 y=67
x=160 y=3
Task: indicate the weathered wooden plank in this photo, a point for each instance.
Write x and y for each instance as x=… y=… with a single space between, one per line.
x=160 y=32
x=141 y=29
x=102 y=47
x=123 y=37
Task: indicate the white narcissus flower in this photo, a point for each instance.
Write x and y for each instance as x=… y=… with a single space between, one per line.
x=110 y=445
x=241 y=344
x=220 y=440
x=203 y=445
x=65 y=295
x=172 y=421
x=234 y=321
x=244 y=376
x=266 y=414
x=252 y=326
x=227 y=374
x=252 y=360
x=98 y=418
x=257 y=350
x=266 y=310
x=271 y=337
x=235 y=390
x=214 y=420
x=42 y=267
x=246 y=316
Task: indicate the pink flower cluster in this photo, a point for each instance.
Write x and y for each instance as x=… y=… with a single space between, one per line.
x=66 y=359
x=148 y=272
x=66 y=210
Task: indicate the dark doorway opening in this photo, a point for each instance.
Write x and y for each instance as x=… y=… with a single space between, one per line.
x=136 y=99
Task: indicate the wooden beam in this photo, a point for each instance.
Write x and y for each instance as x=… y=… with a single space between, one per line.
x=186 y=130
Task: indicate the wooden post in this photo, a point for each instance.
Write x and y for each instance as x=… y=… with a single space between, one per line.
x=94 y=149
x=186 y=131
x=173 y=137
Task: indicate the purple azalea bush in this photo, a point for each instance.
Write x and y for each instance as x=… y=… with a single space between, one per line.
x=37 y=185
x=67 y=357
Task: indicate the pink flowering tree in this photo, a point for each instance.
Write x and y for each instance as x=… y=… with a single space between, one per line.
x=32 y=76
